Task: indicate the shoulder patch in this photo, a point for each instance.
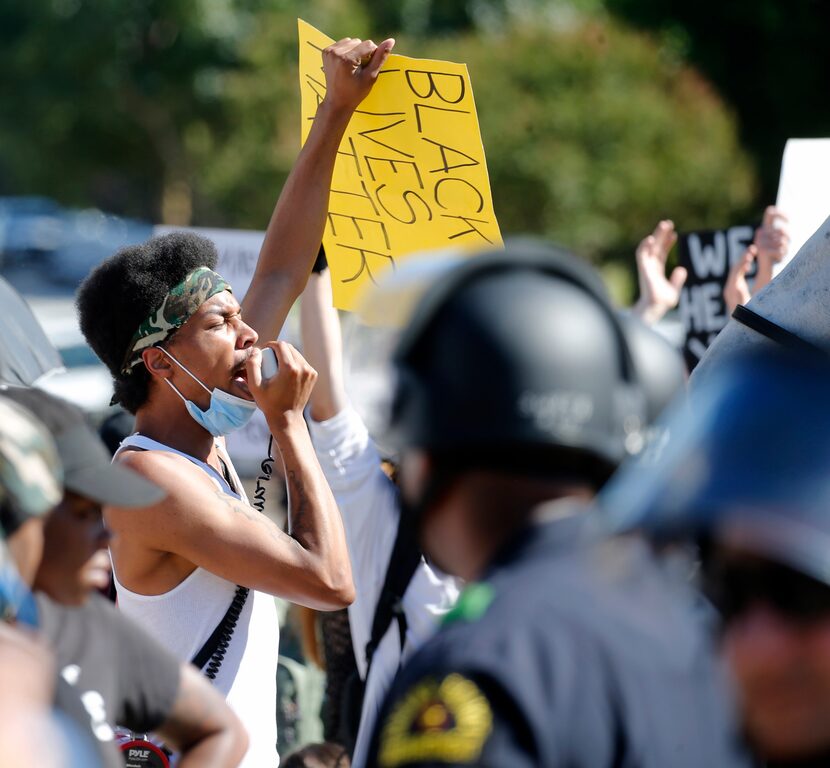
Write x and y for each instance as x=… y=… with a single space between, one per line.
x=437 y=721
x=472 y=603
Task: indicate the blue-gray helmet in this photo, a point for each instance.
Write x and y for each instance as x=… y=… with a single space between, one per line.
x=749 y=456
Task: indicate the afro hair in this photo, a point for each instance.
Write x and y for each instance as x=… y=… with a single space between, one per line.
x=123 y=291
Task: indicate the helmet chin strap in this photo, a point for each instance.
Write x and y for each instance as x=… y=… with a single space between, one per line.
x=413 y=510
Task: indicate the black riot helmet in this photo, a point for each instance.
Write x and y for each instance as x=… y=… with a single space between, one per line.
x=516 y=359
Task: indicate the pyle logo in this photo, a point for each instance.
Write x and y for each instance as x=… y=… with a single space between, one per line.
x=559 y=411
x=141 y=754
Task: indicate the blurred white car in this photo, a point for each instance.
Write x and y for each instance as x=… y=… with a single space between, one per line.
x=85 y=380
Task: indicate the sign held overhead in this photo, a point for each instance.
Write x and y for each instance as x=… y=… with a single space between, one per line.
x=410 y=173
x=804 y=190
x=707 y=255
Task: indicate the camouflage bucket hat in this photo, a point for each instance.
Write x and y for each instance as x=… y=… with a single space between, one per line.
x=31 y=474
x=178 y=306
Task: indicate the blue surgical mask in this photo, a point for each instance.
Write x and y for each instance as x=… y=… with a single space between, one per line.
x=226 y=412
x=16 y=599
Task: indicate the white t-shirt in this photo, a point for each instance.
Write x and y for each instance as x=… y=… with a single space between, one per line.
x=183 y=619
x=368 y=502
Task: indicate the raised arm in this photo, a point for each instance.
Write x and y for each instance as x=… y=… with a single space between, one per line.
x=658 y=293
x=208 y=528
x=323 y=346
x=769 y=247
x=772 y=241
x=294 y=233
x=736 y=289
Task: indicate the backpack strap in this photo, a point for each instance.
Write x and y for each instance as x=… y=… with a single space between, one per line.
x=405 y=558
x=403 y=561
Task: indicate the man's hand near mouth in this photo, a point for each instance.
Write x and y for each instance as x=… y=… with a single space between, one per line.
x=286 y=393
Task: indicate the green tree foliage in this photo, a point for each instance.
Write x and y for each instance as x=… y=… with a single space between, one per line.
x=167 y=108
x=443 y=17
x=175 y=110
x=422 y=16
x=240 y=169
x=593 y=132
x=769 y=58
x=99 y=96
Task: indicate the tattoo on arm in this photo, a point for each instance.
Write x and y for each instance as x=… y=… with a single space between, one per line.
x=237 y=507
x=298 y=513
x=298 y=507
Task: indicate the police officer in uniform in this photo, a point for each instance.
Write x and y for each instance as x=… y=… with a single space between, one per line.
x=519 y=390
x=745 y=477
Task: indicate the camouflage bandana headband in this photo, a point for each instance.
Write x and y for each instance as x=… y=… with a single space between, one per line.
x=178 y=306
x=31 y=473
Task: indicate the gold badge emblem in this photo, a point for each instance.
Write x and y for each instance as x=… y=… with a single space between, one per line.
x=447 y=721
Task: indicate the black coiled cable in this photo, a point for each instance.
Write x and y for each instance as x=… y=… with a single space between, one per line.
x=214 y=663
x=218 y=656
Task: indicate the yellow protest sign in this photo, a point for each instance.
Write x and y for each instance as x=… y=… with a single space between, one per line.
x=410 y=173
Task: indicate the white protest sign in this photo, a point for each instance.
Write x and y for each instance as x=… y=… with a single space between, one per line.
x=238 y=253
x=804 y=190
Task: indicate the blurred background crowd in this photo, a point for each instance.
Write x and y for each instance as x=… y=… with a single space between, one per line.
x=598 y=116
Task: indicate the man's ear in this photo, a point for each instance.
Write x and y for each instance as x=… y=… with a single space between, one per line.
x=157 y=363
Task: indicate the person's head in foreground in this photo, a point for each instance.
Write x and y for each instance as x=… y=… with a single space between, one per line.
x=323 y=755
x=517 y=383
x=169 y=329
x=745 y=475
x=32 y=732
x=31 y=478
x=74 y=558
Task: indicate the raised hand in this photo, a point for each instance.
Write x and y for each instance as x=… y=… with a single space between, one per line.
x=772 y=241
x=658 y=294
x=296 y=228
x=736 y=289
x=351 y=66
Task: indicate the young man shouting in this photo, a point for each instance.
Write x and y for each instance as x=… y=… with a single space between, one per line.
x=203 y=563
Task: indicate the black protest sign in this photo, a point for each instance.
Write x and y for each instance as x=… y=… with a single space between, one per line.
x=707 y=255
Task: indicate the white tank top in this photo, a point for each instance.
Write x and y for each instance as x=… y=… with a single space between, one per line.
x=183 y=619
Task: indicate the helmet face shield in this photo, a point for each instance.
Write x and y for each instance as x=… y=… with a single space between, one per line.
x=513 y=353
x=391 y=303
